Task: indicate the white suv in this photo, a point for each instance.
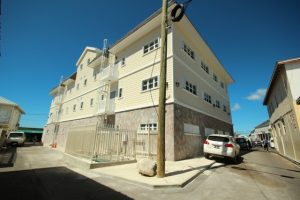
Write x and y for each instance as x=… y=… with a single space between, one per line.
x=221 y=146
x=16 y=138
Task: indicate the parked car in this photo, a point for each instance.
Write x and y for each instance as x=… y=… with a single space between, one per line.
x=15 y=138
x=257 y=143
x=223 y=146
x=243 y=143
x=271 y=142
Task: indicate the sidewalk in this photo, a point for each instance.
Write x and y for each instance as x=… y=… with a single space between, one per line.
x=178 y=173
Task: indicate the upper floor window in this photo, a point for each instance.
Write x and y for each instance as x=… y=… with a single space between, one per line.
x=191 y=88
x=91 y=102
x=217 y=103
x=81 y=105
x=204 y=67
x=150 y=83
x=80 y=66
x=120 y=92
x=222 y=84
x=88 y=61
x=215 y=78
x=189 y=51
x=207 y=97
x=151 y=46
x=74 y=108
x=85 y=82
x=123 y=61
x=224 y=108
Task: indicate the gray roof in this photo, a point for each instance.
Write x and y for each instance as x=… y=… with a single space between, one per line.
x=8 y=102
x=264 y=124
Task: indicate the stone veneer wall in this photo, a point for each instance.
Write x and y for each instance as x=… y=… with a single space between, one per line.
x=64 y=127
x=188 y=146
x=133 y=118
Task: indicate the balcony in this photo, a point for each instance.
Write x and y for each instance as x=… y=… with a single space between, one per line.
x=107 y=107
x=99 y=61
x=109 y=73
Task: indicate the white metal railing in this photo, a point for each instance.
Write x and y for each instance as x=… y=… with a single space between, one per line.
x=109 y=73
x=106 y=143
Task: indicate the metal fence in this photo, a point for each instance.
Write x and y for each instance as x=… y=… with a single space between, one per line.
x=106 y=143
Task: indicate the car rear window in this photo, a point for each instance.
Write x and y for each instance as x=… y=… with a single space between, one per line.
x=240 y=140
x=16 y=135
x=218 y=139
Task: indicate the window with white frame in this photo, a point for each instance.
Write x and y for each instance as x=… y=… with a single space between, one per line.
x=150 y=83
x=215 y=77
x=222 y=84
x=151 y=46
x=148 y=127
x=120 y=92
x=81 y=105
x=80 y=66
x=224 y=108
x=74 y=108
x=188 y=51
x=218 y=104
x=123 y=61
x=207 y=97
x=191 y=88
x=88 y=61
x=85 y=82
x=91 y=102
x=204 y=67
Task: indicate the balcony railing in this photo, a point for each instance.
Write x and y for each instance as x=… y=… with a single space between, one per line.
x=98 y=61
x=110 y=73
x=107 y=107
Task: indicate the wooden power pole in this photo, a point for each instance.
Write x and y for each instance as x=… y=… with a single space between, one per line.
x=162 y=93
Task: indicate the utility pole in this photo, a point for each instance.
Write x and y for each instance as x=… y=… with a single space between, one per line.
x=162 y=93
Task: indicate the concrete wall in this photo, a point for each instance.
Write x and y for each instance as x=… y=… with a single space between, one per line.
x=190 y=145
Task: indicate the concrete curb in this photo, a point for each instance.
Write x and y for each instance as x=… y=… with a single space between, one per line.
x=165 y=186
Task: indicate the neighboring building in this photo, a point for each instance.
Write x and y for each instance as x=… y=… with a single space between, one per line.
x=121 y=88
x=261 y=132
x=10 y=114
x=281 y=100
x=32 y=134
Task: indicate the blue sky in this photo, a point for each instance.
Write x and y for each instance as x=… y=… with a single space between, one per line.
x=41 y=40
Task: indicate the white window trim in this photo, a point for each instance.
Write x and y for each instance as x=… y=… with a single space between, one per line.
x=153 y=88
x=188 y=49
x=148 y=43
x=147 y=125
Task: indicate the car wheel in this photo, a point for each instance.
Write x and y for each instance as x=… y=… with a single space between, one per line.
x=206 y=155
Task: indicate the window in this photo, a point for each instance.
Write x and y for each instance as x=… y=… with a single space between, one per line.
x=224 y=108
x=102 y=97
x=91 y=102
x=113 y=94
x=80 y=66
x=85 y=82
x=217 y=103
x=150 y=83
x=148 y=127
x=188 y=51
x=74 y=108
x=81 y=105
x=215 y=78
x=151 y=46
x=191 y=88
x=204 y=67
x=123 y=61
x=77 y=87
x=88 y=61
x=120 y=92
x=207 y=97
x=222 y=84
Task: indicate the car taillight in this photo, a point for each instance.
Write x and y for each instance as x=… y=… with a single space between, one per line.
x=229 y=145
x=206 y=142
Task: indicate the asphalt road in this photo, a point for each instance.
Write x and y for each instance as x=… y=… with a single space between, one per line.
x=37 y=173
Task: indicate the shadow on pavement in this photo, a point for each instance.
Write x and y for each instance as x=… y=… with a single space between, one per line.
x=8 y=157
x=53 y=183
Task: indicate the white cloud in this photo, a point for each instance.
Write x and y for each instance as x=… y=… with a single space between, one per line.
x=236 y=107
x=257 y=95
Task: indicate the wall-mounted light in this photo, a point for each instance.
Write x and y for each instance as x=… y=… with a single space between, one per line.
x=177 y=84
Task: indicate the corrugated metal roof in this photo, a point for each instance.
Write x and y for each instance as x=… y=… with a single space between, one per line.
x=8 y=102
